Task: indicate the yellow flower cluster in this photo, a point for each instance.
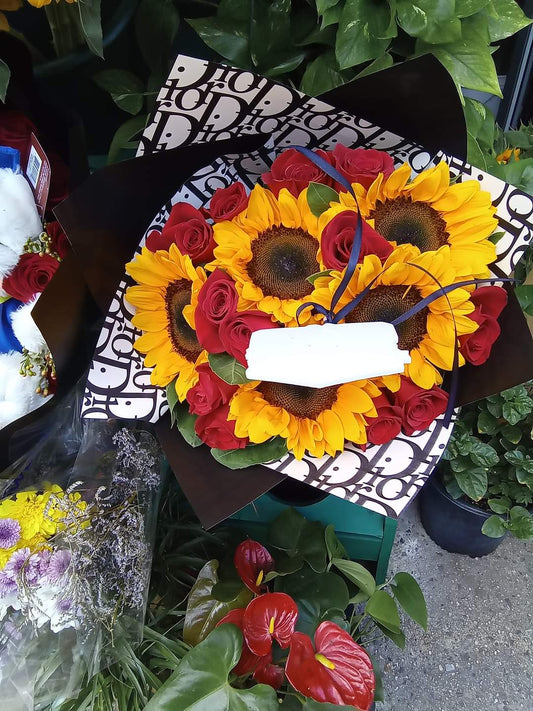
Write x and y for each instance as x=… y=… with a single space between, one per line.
x=39 y=515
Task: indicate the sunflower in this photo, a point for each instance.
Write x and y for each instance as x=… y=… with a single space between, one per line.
x=400 y=284
x=270 y=250
x=165 y=300
x=429 y=213
x=316 y=420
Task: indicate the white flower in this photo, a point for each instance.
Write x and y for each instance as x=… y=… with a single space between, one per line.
x=17 y=393
x=19 y=219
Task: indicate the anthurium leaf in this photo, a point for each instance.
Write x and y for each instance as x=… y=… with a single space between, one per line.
x=319 y=197
x=494 y=527
x=201 y=680
x=228 y=368
x=505 y=17
x=365 y=32
x=124 y=87
x=357 y=574
x=185 y=424
x=203 y=610
x=123 y=136
x=292 y=532
x=382 y=608
x=397 y=637
x=91 y=25
x=473 y=482
x=156 y=24
x=268 y=451
x=228 y=38
x=323 y=74
x=411 y=598
x=334 y=546
x=468 y=60
x=5 y=74
x=227 y=590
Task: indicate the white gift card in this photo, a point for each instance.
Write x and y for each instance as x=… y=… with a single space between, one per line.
x=319 y=356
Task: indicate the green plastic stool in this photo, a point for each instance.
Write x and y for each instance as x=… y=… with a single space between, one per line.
x=366 y=535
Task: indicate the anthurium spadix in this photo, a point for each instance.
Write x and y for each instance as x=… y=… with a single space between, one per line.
x=319 y=356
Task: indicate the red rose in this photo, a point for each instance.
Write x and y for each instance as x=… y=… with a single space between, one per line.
x=236 y=330
x=58 y=239
x=419 y=407
x=294 y=171
x=188 y=229
x=217 y=301
x=388 y=423
x=15 y=132
x=360 y=165
x=489 y=302
x=215 y=430
x=228 y=202
x=337 y=239
x=209 y=393
x=30 y=276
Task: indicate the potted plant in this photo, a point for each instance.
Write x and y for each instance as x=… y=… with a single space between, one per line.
x=484 y=484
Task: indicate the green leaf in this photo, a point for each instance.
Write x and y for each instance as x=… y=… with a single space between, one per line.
x=5 y=74
x=332 y=16
x=465 y=8
x=323 y=74
x=397 y=637
x=383 y=62
x=357 y=574
x=323 y=5
x=226 y=37
x=91 y=25
x=201 y=680
x=319 y=197
x=501 y=505
x=494 y=527
x=495 y=237
x=468 y=60
x=473 y=482
x=125 y=88
x=156 y=24
x=203 y=610
x=365 y=32
x=311 y=279
x=228 y=368
x=382 y=608
x=124 y=135
x=487 y=423
x=268 y=451
x=521 y=524
x=292 y=532
x=316 y=595
x=513 y=433
x=434 y=21
x=185 y=423
x=524 y=294
x=519 y=173
x=515 y=410
x=333 y=545
x=505 y=18
x=408 y=593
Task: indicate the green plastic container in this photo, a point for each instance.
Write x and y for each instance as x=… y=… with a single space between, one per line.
x=366 y=535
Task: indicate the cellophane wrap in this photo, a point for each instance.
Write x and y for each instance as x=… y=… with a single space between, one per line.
x=77 y=520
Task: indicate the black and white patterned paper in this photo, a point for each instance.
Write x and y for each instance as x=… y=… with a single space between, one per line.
x=203 y=101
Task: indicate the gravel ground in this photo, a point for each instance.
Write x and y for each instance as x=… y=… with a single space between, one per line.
x=478 y=651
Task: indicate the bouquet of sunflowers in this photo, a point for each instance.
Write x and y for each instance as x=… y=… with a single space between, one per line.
x=338 y=236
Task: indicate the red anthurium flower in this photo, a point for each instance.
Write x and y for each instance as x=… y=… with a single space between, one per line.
x=252 y=561
x=338 y=671
x=248 y=660
x=267 y=617
x=268 y=673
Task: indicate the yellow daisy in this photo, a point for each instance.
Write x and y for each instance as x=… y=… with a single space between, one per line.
x=399 y=285
x=316 y=420
x=165 y=300
x=270 y=250
x=429 y=213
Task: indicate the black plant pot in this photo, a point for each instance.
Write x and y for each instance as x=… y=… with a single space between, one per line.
x=453 y=524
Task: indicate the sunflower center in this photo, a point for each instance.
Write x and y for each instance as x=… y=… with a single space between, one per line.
x=183 y=337
x=283 y=258
x=386 y=303
x=299 y=400
x=406 y=222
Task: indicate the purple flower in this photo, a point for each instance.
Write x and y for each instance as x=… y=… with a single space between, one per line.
x=31 y=570
x=64 y=605
x=7 y=585
x=9 y=532
x=17 y=561
x=59 y=563
x=44 y=561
